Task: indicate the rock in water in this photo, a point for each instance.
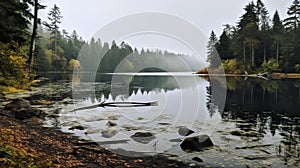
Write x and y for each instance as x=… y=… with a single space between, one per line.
x=111 y=124
x=77 y=127
x=184 y=131
x=197 y=143
x=109 y=133
x=197 y=159
x=143 y=137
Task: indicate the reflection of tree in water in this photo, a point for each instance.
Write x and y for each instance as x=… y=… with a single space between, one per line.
x=214 y=100
x=144 y=84
x=210 y=102
x=289 y=146
x=266 y=106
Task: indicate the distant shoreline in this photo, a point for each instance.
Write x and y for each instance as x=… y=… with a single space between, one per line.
x=272 y=75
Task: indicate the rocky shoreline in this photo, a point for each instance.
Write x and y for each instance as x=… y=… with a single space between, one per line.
x=64 y=150
x=20 y=129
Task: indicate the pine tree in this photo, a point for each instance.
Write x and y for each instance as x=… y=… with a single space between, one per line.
x=277 y=24
x=224 y=47
x=54 y=17
x=212 y=55
x=248 y=31
x=263 y=15
x=277 y=33
x=292 y=22
x=291 y=40
x=15 y=18
x=264 y=25
x=250 y=17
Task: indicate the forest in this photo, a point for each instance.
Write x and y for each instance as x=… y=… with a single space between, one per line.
x=29 y=45
x=258 y=42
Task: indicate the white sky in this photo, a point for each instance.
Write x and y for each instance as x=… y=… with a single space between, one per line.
x=88 y=16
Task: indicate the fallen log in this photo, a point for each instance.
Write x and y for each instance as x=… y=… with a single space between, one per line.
x=118 y=104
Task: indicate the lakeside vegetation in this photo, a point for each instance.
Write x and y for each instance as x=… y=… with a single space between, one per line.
x=258 y=43
x=29 y=45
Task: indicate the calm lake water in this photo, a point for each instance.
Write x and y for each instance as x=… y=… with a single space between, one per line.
x=258 y=127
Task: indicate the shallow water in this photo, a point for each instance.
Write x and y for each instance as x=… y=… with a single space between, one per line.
x=259 y=125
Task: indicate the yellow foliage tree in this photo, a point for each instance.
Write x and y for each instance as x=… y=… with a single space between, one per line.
x=73 y=65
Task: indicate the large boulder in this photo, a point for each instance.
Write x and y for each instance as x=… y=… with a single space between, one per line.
x=197 y=143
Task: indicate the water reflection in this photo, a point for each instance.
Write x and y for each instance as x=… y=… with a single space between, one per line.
x=268 y=107
x=260 y=117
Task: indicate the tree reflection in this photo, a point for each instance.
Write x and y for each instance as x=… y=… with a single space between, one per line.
x=267 y=107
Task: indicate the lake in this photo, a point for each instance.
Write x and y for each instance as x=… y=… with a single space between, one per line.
x=257 y=125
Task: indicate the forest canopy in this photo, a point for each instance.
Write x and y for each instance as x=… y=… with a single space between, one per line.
x=259 y=42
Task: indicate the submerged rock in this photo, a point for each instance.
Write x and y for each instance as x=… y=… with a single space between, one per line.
x=111 y=124
x=197 y=159
x=197 y=143
x=184 y=131
x=115 y=117
x=237 y=133
x=77 y=127
x=175 y=140
x=143 y=137
x=109 y=133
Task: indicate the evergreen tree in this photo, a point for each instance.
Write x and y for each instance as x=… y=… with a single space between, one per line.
x=248 y=32
x=264 y=35
x=277 y=34
x=250 y=17
x=224 y=47
x=263 y=15
x=277 y=24
x=212 y=55
x=291 y=42
x=292 y=22
x=15 y=18
x=54 y=17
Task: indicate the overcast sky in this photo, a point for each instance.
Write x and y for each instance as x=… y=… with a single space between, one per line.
x=88 y=16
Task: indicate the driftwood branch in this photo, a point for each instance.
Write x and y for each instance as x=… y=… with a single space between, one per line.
x=118 y=104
